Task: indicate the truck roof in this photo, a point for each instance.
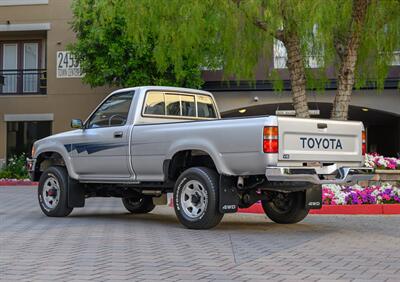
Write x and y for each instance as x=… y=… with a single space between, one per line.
x=167 y=88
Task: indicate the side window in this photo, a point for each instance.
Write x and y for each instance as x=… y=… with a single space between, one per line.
x=188 y=106
x=173 y=105
x=155 y=104
x=205 y=107
x=113 y=112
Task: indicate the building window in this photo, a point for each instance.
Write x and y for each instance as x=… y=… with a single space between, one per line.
x=280 y=54
x=20 y=68
x=213 y=65
x=396 y=58
x=22 y=134
x=22 y=2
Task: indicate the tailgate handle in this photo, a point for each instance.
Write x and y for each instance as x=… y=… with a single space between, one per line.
x=322 y=125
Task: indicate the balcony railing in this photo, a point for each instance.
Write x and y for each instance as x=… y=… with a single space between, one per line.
x=23 y=81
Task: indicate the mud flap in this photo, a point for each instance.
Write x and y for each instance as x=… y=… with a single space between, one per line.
x=314 y=197
x=228 y=195
x=76 y=194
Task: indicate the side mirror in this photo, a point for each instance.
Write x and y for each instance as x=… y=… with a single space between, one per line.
x=77 y=123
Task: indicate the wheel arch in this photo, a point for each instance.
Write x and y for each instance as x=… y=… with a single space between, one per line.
x=198 y=146
x=49 y=156
x=187 y=158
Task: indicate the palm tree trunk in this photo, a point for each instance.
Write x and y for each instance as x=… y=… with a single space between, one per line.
x=297 y=74
x=348 y=59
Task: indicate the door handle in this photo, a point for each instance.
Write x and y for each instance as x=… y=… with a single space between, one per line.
x=322 y=125
x=118 y=134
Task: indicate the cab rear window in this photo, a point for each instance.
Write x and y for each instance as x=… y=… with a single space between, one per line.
x=155 y=104
x=179 y=105
x=205 y=107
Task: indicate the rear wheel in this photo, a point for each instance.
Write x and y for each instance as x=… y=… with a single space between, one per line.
x=142 y=204
x=52 y=192
x=196 y=198
x=285 y=208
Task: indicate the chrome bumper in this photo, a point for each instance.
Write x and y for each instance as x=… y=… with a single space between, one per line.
x=343 y=175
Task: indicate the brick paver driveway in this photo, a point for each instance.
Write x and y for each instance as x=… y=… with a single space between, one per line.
x=102 y=242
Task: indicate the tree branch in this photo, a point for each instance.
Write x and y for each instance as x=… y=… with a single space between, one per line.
x=280 y=35
x=257 y=22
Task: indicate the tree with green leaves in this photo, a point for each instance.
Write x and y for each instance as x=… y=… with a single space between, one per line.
x=108 y=55
x=166 y=41
x=234 y=33
x=363 y=35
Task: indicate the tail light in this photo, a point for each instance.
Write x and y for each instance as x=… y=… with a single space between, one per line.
x=270 y=139
x=364 y=143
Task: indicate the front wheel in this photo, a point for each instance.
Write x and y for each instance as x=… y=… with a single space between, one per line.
x=52 y=192
x=285 y=208
x=196 y=198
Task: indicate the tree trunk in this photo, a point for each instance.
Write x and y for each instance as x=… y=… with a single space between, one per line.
x=348 y=58
x=297 y=74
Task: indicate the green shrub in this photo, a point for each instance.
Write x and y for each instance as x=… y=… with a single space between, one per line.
x=15 y=168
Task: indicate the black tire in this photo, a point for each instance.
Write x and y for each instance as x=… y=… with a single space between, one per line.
x=139 y=205
x=209 y=216
x=286 y=208
x=58 y=207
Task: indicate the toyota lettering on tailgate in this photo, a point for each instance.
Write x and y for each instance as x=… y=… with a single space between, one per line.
x=321 y=143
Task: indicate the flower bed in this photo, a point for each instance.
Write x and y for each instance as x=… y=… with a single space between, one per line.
x=380 y=162
x=385 y=193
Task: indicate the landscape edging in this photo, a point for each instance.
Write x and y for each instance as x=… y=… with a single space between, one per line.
x=18 y=183
x=341 y=209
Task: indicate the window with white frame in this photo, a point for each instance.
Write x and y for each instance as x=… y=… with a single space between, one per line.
x=20 y=67
x=280 y=55
x=209 y=67
x=396 y=58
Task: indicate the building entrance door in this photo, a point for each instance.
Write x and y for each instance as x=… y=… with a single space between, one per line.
x=22 y=134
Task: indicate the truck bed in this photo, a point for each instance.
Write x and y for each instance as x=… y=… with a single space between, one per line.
x=235 y=144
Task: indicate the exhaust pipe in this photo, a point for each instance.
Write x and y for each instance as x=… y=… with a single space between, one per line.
x=151 y=193
x=240 y=182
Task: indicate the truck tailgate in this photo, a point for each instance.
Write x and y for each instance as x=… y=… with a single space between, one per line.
x=319 y=140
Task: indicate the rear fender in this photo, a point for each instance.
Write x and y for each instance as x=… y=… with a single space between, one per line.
x=201 y=145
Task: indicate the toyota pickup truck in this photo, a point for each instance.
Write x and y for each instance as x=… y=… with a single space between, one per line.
x=141 y=143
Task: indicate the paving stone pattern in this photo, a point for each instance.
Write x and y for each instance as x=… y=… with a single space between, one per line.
x=102 y=242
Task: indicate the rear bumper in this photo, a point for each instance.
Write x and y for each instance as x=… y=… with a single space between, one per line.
x=343 y=175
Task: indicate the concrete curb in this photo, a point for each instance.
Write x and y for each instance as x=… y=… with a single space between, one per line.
x=338 y=209
x=341 y=209
x=18 y=183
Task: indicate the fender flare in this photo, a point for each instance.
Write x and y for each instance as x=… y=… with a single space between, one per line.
x=60 y=149
x=201 y=145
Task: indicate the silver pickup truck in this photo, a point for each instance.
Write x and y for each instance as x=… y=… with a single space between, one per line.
x=141 y=143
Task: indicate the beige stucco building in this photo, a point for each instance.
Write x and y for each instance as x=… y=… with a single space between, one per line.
x=33 y=101
x=41 y=90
